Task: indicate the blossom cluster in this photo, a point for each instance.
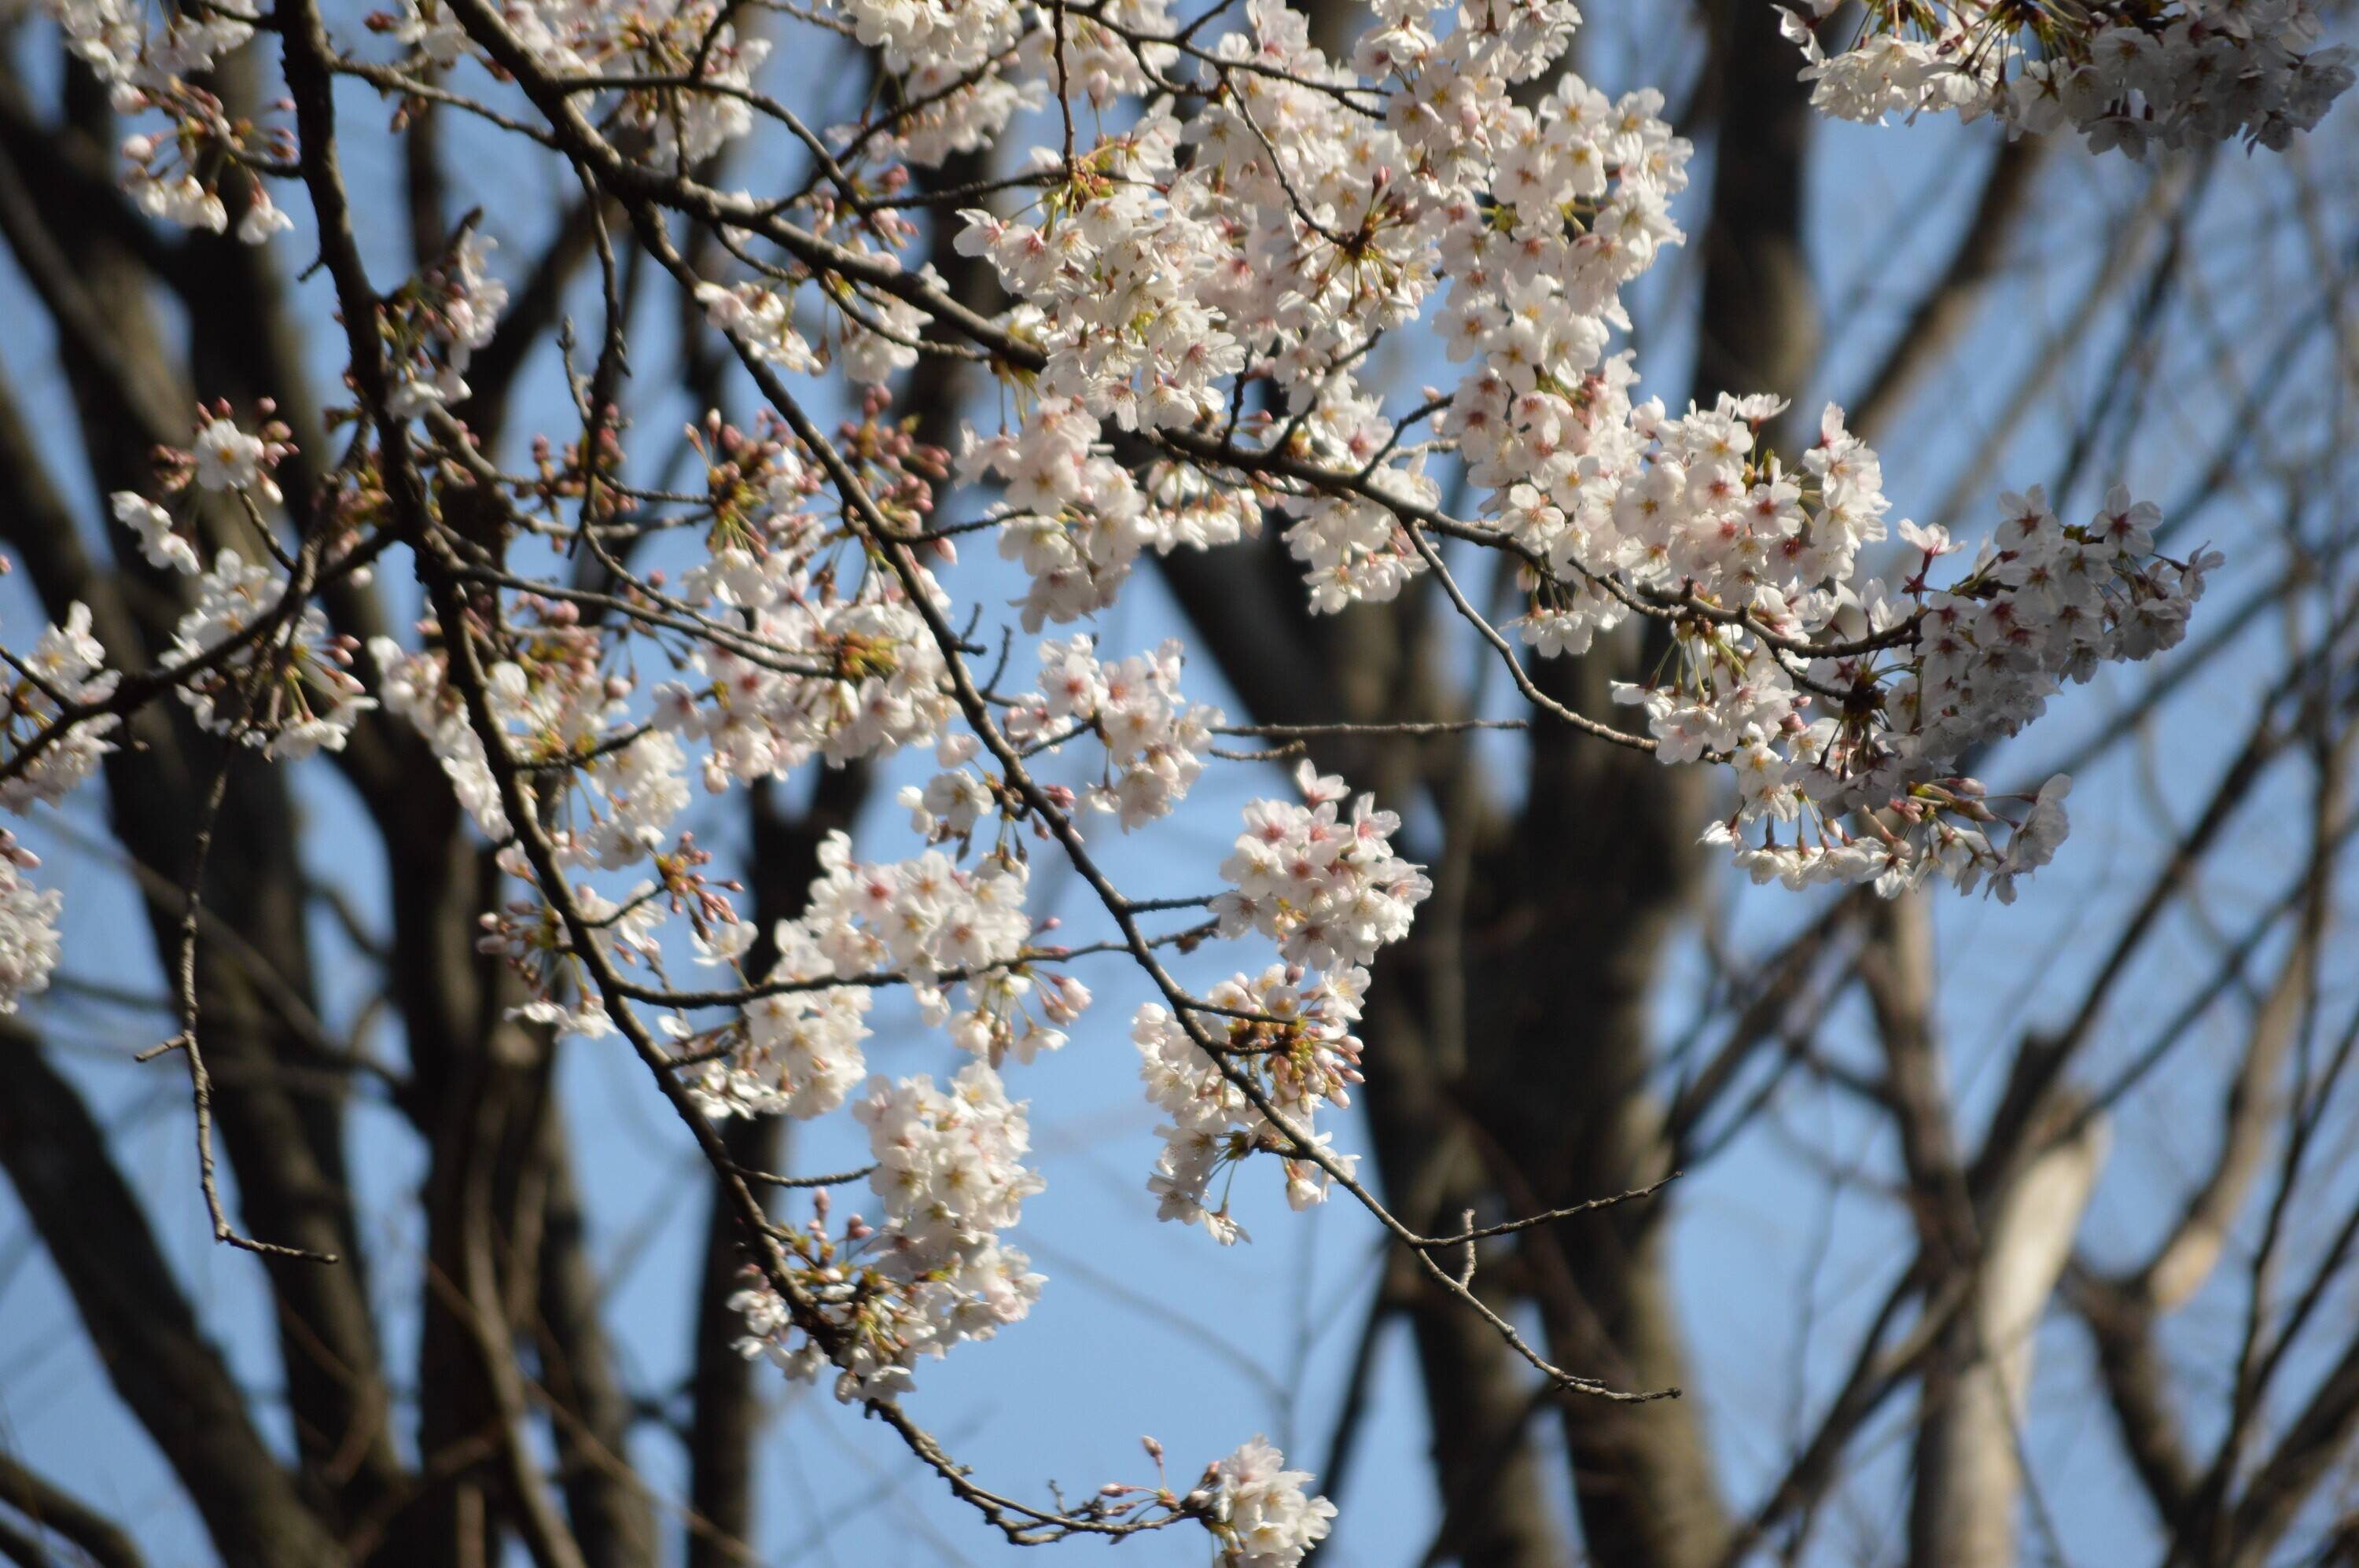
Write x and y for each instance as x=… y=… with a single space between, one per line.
x=435 y=322
x=1293 y=239
x=1257 y=1510
x=1843 y=713
x=631 y=43
x=288 y=691
x=1330 y=892
x=1078 y=520
x=552 y=701
x=1287 y=1034
x=157 y=62
x=47 y=758
x=1328 y=889
x=256 y=658
x=928 y=921
x=2179 y=73
x=933 y=1271
x=415 y=687
x=45 y=752
x=798 y=1051
x=222 y=458
x=785 y=663
x=871 y=340
x=1813 y=680
x=785 y=660
x=1154 y=741
x=28 y=926
x=816 y=672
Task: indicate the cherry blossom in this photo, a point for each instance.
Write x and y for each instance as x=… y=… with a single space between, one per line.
x=933 y=1271
x=28 y=926
x=1154 y=743
x=437 y=320
x=1257 y=1511
x=1287 y=1035
x=1326 y=887
x=287 y=691
x=50 y=751
x=159 y=543
x=2173 y=75
x=49 y=744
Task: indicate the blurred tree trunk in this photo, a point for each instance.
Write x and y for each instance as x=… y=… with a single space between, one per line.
x=1595 y=880
x=1515 y=1023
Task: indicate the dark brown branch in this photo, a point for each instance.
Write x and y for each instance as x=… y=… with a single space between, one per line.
x=2136 y=1384
x=606 y=1504
x=52 y=1510
x=161 y=1363
x=286 y=1148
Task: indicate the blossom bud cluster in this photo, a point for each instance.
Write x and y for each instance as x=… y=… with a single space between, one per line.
x=2182 y=73
x=951 y=1176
